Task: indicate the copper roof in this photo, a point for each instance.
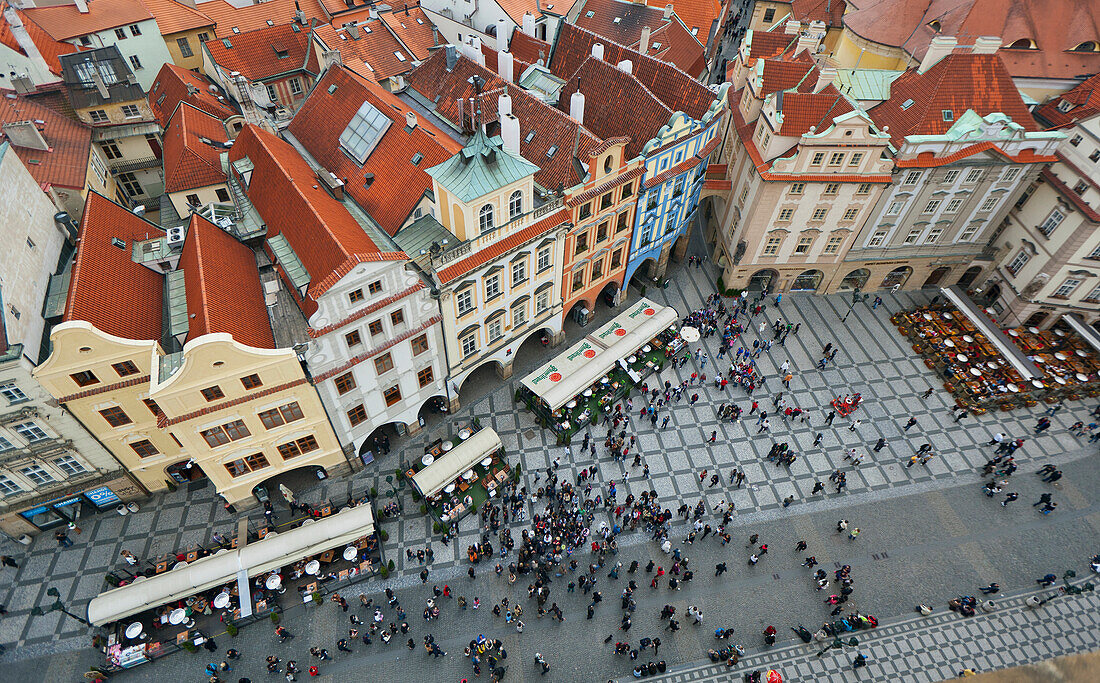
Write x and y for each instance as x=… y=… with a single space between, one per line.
x=190 y=160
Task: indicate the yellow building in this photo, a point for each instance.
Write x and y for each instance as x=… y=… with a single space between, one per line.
x=184 y=30
x=227 y=406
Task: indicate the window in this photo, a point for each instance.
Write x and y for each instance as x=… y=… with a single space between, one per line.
x=251 y=381
x=69 y=465
x=223 y=434
x=392 y=395
x=953 y=205
x=492 y=287
x=623 y=222
x=203 y=37
x=911 y=238
x=115 y=416
x=797 y=188
x=98 y=116
x=357 y=415
x=877 y=239
x=894 y=208
x=831 y=188
x=1019 y=262
x=803 y=245
x=836 y=159
x=8 y=487
x=136 y=63
x=542 y=301
x=989 y=204
x=383 y=363
x=602 y=231
x=84 y=378
x=785 y=215
x=144 y=448
x=1094 y=295
x=496 y=328
x=13 y=393
x=135 y=30
x=832 y=246
x=485 y=218
x=37 y=474
x=397 y=317
x=855 y=159
x=1095 y=155
x=212 y=393
x=465 y=301
x=1066 y=288
x=864 y=188
x=375 y=288
x=243 y=466
x=771 y=247
x=911 y=178
x=425 y=377
x=850 y=214
x=578 y=279
x=130 y=183
x=1094 y=254
x=355 y=296
x=1010 y=174
x=616 y=258
x=519 y=272
x=469 y=345
x=110 y=150
x=974 y=176
x=292 y=449
x=950 y=176
x=581 y=244
x=628 y=190
x=969 y=232
x=420 y=345
x=193 y=200
x=32 y=432
x=817 y=159
x=819 y=214
x=933 y=235
x=931 y=206
x=120 y=33
x=185 y=47
x=153 y=407
x=353 y=339
x=544 y=260
x=345 y=383
x=295 y=86
x=375 y=327
x=1075 y=140
x=1080 y=187
x=515 y=204
x=651 y=201
x=769 y=14
x=363 y=132
x=585 y=211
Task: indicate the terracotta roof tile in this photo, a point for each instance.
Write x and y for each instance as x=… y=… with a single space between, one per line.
x=284 y=189
x=65 y=163
x=622 y=22
x=251 y=17
x=764 y=44
x=492 y=63
x=783 y=73
x=398 y=184
x=412 y=27
x=378 y=49
x=503 y=246
x=175 y=84
x=802 y=111
x=188 y=161
x=1080 y=103
x=958 y=82
x=107 y=289
x=517 y=8
x=50 y=48
x=930 y=160
x=696 y=14
x=66 y=21
x=258 y=54
x=175 y=17
x=528 y=48
x=828 y=11
x=224 y=293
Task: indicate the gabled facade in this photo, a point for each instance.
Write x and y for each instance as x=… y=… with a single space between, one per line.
x=280 y=61
x=184 y=30
x=175 y=86
x=194 y=142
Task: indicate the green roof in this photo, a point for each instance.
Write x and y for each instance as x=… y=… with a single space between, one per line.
x=482 y=167
x=421 y=234
x=290 y=262
x=177 y=303
x=57 y=293
x=866 y=84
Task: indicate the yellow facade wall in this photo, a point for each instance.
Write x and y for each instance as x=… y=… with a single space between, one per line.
x=194 y=62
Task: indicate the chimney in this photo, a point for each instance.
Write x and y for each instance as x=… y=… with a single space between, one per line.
x=809 y=42
x=502 y=35
x=299 y=15
x=452 y=56
x=597 y=50
x=82 y=6
x=435 y=35
x=986 y=45
x=940 y=47
x=509 y=133
x=22 y=84
x=506 y=66
x=792 y=27
x=504 y=104
x=668 y=12
x=410 y=119
x=353 y=31
x=576 y=106
x=626 y=66
x=529 y=24
x=643 y=42
x=825 y=76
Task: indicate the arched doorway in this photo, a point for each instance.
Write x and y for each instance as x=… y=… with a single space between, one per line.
x=641 y=276
x=185 y=472
x=969 y=276
x=1036 y=319
x=532 y=352
x=807 y=281
x=857 y=279
x=581 y=312
x=897 y=277
x=611 y=295
x=380 y=440
x=936 y=276
x=481 y=381
x=761 y=280
x=993 y=294
x=294 y=480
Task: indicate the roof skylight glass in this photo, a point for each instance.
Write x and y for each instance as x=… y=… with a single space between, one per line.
x=363 y=132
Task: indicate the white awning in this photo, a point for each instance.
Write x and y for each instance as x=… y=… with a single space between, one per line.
x=1087 y=333
x=274 y=551
x=1012 y=353
x=447 y=467
x=572 y=372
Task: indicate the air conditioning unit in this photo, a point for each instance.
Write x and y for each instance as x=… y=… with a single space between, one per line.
x=176 y=236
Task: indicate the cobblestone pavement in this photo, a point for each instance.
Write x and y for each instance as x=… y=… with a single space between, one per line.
x=873 y=360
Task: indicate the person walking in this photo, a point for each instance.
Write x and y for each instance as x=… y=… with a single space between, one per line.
x=62 y=538
x=991 y=589
x=880 y=444
x=860 y=661
x=1009 y=497
x=841 y=526
x=853 y=533
x=720 y=569
x=7 y=561
x=912 y=421
x=1044 y=499
x=800 y=546
x=855 y=423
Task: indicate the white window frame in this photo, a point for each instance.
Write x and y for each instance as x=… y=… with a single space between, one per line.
x=69 y=465
x=485 y=219
x=13 y=393
x=989 y=204
x=877 y=239
x=772 y=245
x=974 y=175
x=1066 y=289
x=468 y=345
x=912 y=178
x=951 y=176
x=31 y=431
x=912 y=237
x=933 y=235
x=895 y=208
x=953 y=205
x=519 y=272
x=931 y=206
x=1018 y=262
x=492 y=286
x=9 y=487
x=1052 y=221
x=464 y=301
x=37 y=474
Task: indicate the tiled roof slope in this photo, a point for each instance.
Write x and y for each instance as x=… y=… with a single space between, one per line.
x=802 y=111
x=65 y=163
x=412 y=27
x=958 y=82
x=174 y=17
x=517 y=8
x=678 y=91
x=284 y=189
x=50 y=49
x=377 y=48
x=696 y=14
x=107 y=289
x=62 y=22
x=767 y=44
x=552 y=127
x=1080 y=103
x=398 y=183
x=621 y=21
x=256 y=53
x=251 y=17
x=828 y=11
x=786 y=73
x=528 y=48
x=492 y=61
x=175 y=84
x=224 y=293
x=188 y=161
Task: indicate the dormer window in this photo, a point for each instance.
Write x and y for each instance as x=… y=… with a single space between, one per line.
x=1087 y=46
x=1064 y=105
x=1022 y=44
x=948 y=114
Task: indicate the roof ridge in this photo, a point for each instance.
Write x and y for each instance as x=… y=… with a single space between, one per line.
x=661 y=62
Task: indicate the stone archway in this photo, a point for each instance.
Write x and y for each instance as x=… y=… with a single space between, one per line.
x=807 y=281
x=936 y=276
x=968 y=277
x=762 y=280
x=857 y=279
x=897 y=277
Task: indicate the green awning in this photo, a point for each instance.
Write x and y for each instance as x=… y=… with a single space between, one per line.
x=291 y=264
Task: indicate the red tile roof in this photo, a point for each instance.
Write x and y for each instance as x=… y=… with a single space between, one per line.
x=224 y=293
x=284 y=189
x=517 y=8
x=378 y=49
x=768 y=44
x=66 y=21
x=398 y=184
x=492 y=62
x=503 y=246
x=1076 y=199
x=107 y=289
x=65 y=163
x=958 y=82
x=930 y=160
x=828 y=11
x=251 y=17
x=1080 y=103
x=785 y=73
x=188 y=161
x=621 y=21
x=175 y=17
x=528 y=48
x=175 y=85
x=696 y=14
x=802 y=111
x=552 y=127
x=412 y=27
x=50 y=49
x=256 y=54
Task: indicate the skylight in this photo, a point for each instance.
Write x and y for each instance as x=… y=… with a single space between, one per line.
x=226 y=43
x=270 y=22
x=530 y=136
x=617 y=20
x=589 y=14
x=236 y=30
x=551 y=152
x=948 y=114
x=656 y=46
x=332 y=89
x=363 y=132
x=417 y=158
x=906 y=104
x=399 y=56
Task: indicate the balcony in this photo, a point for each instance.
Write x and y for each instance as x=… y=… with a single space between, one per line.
x=124 y=166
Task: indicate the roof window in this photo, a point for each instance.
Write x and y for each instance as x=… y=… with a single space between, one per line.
x=1022 y=44
x=332 y=89
x=228 y=45
x=363 y=132
x=1087 y=46
x=236 y=30
x=400 y=57
x=589 y=14
x=270 y=22
x=656 y=46
x=551 y=152
x=530 y=136
x=906 y=104
x=116 y=242
x=948 y=115
x=417 y=158
x=617 y=20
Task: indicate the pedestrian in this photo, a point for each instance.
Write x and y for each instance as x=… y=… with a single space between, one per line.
x=841 y=526
x=424 y=576
x=1009 y=497
x=852 y=427
x=7 y=561
x=800 y=546
x=63 y=540
x=880 y=444
x=927 y=393
x=991 y=589
x=853 y=533
x=720 y=569
x=859 y=661
x=912 y=421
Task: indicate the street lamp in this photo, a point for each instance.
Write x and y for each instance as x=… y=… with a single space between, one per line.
x=856 y=298
x=56 y=607
x=837 y=644
x=394 y=493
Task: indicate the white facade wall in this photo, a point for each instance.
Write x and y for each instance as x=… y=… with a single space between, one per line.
x=148 y=47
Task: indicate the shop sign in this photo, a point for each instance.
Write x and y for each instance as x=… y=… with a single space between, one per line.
x=102 y=496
